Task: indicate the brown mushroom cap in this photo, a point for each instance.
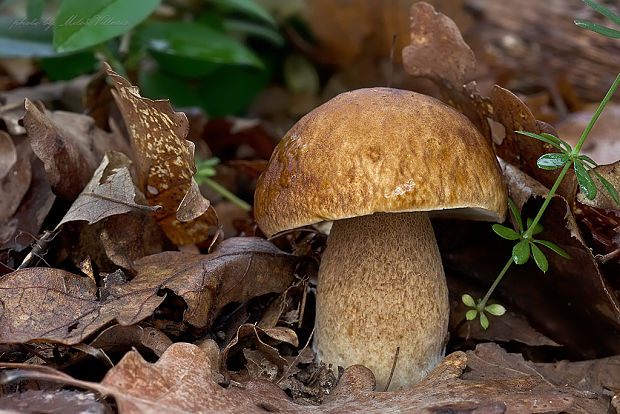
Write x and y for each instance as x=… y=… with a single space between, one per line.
x=379 y=150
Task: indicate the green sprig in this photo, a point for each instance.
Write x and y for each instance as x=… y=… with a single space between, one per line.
x=526 y=245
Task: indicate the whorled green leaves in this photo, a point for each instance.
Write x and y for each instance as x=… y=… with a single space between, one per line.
x=527 y=247
x=582 y=164
x=478 y=310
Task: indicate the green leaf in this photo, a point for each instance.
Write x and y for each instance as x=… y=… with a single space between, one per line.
x=20 y=38
x=540 y=259
x=251 y=29
x=588 y=160
x=471 y=314
x=505 y=232
x=515 y=212
x=81 y=24
x=604 y=11
x=557 y=140
x=495 y=309
x=548 y=138
x=597 y=28
x=34 y=9
x=521 y=252
x=554 y=247
x=69 y=66
x=610 y=188
x=468 y=300
x=247 y=7
x=537 y=229
x=192 y=49
x=552 y=161
x=585 y=181
x=484 y=321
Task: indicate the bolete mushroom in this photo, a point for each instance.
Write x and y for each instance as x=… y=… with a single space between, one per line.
x=375 y=161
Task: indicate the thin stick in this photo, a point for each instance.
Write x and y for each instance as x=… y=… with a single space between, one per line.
x=393 y=368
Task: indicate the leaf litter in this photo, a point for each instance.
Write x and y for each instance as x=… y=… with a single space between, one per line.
x=244 y=302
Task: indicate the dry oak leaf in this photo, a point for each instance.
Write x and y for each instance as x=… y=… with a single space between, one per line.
x=180 y=382
x=43 y=304
x=239 y=268
x=69 y=145
x=437 y=50
x=111 y=191
x=165 y=163
x=265 y=362
x=15 y=175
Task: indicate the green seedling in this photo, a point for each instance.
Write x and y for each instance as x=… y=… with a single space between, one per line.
x=526 y=245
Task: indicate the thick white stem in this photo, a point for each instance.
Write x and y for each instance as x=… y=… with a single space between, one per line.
x=382 y=286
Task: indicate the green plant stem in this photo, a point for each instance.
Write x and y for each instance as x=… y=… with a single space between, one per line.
x=227 y=194
x=542 y=209
x=498 y=279
x=606 y=99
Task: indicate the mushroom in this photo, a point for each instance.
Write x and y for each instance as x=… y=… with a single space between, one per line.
x=375 y=161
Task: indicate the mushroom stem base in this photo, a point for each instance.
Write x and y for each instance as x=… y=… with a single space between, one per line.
x=382 y=287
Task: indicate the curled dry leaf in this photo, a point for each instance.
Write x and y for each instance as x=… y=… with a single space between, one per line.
x=16 y=232
x=239 y=268
x=263 y=362
x=15 y=175
x=165 y=162
x=437 y=50
x=120 y=337
x=111 y=191
x=69 y=145
x=495 y=382
x=42 y=304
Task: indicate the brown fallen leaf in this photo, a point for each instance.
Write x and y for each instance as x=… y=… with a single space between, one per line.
x=165 y=162
x=239 y=268
x=19 y=231
x=180 y=382
x=15 y=176
x=118 y=337
x=69 y=145
x=42 y=304
x=437 y=50
x=111 y=191
x=264 y=362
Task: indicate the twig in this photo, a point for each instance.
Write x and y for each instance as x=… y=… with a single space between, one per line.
x=393 y=368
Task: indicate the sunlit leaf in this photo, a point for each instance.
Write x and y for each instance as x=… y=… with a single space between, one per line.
x=552 y=161
x=585 y=181
x=521 y=252
x=540 y=259
x=553 y=247
x=80 y=24
x=495 y=309
x=505 y=232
